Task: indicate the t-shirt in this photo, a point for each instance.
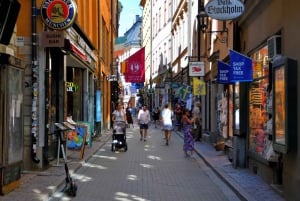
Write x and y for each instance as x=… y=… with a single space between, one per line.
x=167 y=116
x=144 y=116
x=119 y=115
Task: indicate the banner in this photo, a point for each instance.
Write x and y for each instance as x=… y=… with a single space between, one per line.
x=240 y=67
x=135 y=68
x=198 y=87
x=223 y=73
x=183 y=92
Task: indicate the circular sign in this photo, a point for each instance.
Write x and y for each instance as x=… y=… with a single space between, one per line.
x=224 y=9
x=58 y=14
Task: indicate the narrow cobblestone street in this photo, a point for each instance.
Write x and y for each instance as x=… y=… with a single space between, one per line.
x=147 y=171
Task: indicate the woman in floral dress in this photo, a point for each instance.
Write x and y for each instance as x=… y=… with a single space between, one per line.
x=188 y=139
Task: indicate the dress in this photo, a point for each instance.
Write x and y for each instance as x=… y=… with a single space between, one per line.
x=188 y=140
x=156 y=115
x=129 y=116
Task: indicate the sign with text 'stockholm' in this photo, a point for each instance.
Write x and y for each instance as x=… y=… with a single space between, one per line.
x=224 y=9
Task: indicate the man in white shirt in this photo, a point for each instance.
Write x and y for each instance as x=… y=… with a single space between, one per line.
x=143 y=121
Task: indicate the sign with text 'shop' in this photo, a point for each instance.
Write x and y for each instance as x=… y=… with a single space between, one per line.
x=240 y=67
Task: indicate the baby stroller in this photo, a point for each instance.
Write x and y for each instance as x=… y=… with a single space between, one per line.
x=119 y=136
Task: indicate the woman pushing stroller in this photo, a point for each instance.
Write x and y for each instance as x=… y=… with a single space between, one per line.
x=119 y=114
x=119 y=129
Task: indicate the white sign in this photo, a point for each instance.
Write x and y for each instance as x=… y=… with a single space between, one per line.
x=20 y=41
x=224 y=9
x=196 y=68
x=111 y=78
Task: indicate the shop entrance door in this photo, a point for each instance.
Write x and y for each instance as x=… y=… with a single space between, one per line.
x=11 y=122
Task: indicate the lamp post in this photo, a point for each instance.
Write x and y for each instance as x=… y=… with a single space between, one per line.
x=202 y=17
x=115 y=86
x=203 y=21
x=117 y=72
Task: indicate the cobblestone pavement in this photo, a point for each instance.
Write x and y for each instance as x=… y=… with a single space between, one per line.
x=154 y=172
x=148 y=171
x=246 y=184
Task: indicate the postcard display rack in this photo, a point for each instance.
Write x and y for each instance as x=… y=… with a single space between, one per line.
x=284 y=78
x=72 y=131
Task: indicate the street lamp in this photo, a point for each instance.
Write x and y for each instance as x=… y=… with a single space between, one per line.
x=202 y=17
x=203 y=21
x=118 y=77
x=115 y=80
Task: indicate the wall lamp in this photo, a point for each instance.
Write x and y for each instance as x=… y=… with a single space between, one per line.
x=203 y=21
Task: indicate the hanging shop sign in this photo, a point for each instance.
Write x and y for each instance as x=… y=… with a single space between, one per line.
x=238 y=70
x=58 y=14
x=224 y=9
x=223 y=73
x=112 y=78
x=240 y=67
x=196 y=68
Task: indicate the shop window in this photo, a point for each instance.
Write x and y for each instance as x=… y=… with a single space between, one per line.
x=260 y=114
x=75 y=93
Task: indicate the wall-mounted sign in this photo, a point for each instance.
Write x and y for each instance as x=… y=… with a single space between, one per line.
x=196 y=68
x=52 y=39
x=224 y=9
x=58 y=14
x=112 y=78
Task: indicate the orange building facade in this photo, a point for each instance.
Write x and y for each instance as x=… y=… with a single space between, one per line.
x=66 y=64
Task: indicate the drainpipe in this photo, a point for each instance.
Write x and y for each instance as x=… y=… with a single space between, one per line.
x=34 y=84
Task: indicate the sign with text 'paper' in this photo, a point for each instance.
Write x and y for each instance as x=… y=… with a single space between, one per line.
x=240 y=67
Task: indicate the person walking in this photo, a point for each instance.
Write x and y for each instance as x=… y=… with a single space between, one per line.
x=178 y=115
x=156 y=115
x=129 y=116
x=188 y=139
x=197 y=121
x=166 y=117
x=143 y=121
x=119 y=113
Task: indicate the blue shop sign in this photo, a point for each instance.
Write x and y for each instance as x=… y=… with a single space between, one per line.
x=240 y=67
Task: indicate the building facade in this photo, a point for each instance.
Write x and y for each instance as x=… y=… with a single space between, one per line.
x=63 y=61
x=272 y=140
x=246 y=117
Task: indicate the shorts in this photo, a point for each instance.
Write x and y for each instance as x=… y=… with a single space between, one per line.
x=143 y=126
x=167 y=127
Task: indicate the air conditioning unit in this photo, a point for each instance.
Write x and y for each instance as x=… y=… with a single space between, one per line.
x=274 y=46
